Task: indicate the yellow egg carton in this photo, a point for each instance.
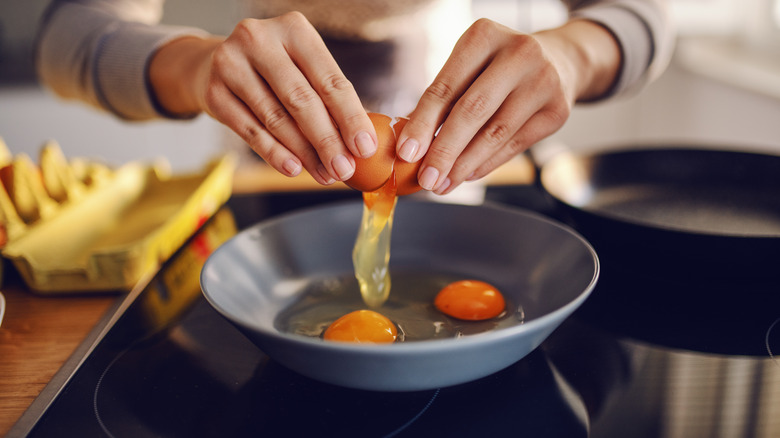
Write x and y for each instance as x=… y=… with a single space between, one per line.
x=81 y=226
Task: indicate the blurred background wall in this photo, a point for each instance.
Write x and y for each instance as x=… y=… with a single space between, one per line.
x=722 y=88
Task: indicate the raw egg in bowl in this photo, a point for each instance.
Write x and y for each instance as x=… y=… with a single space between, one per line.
x=283 y=281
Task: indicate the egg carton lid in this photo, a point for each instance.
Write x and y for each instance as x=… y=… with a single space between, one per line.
x=120 y=230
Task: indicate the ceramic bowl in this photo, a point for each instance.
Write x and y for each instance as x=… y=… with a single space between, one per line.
x=541 y=265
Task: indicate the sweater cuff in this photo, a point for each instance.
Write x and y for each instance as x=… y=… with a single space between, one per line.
x=121 y=73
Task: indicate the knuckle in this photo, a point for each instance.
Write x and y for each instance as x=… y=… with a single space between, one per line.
x=335 y=84
x=482 y=35
x=294 y=24
x=524 y=46
x=558 y=114
x=274 y=118
x=354 y=118
x=251 y=134
x=329 y=142
x=301 y=97
x=444 y=151
x=422 y=125
x=243 y=27
x=222 y=60
x=481 y=29
x=495 y=134
x=440 y=91
x=246 y=30
x=518 y=145
x=475 y=106
x=220 y=56
x=294 y=19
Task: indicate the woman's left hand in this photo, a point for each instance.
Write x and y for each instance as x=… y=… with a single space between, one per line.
x=500 y=92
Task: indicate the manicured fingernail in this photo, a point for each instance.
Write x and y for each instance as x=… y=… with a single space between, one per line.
x=292 y=167
x=326 y=178
x=366 y=145
x=409 y=150
x=428 y=178
x=471 y=177
x=442 y=189
x=343 y=168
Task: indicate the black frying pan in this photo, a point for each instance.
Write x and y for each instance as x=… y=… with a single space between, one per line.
x=685 y=212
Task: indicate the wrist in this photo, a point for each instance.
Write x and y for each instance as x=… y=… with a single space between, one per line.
x=590 y=54
x=178 y=71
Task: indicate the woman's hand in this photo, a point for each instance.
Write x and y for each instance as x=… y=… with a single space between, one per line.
x=500 y=92
x=277 y=86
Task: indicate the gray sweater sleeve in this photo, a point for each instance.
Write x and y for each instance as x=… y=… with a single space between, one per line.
x=644 y=32
x=99 y=51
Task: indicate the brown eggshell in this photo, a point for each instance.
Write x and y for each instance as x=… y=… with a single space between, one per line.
x=373 y=172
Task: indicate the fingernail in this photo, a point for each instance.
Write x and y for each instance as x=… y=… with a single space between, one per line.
x=366 y=145
x=326 y=178
x=409 y=150
x=292 y=167
x=428 y=178
x=343 y=168
x=442 y=189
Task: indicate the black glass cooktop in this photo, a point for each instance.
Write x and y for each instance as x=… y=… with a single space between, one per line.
x=646 y=356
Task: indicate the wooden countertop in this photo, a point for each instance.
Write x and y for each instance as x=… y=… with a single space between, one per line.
x=39 y=332
x=37 y=335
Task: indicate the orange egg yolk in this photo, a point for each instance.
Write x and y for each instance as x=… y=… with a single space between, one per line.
x=470 y=300
x=362 y=326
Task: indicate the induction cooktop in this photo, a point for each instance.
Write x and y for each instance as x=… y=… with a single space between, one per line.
x=646 y=356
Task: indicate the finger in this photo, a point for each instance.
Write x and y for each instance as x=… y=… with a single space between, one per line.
x=469 y=57
x=337 y=93
x=541 y=125
x=491 y=136
x=468 y=118
x=231 y=111
x=301 y=100
x=418 y=140
x=246 y=90
x=244 y=83
x=475 y=123
x=430 y=112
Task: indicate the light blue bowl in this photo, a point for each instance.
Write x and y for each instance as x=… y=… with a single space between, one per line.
x=544 y=265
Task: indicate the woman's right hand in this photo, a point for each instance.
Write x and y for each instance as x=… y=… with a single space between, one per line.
x=276 y=85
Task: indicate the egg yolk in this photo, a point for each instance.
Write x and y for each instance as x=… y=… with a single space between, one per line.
x=471 y=300
x=362 y=326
